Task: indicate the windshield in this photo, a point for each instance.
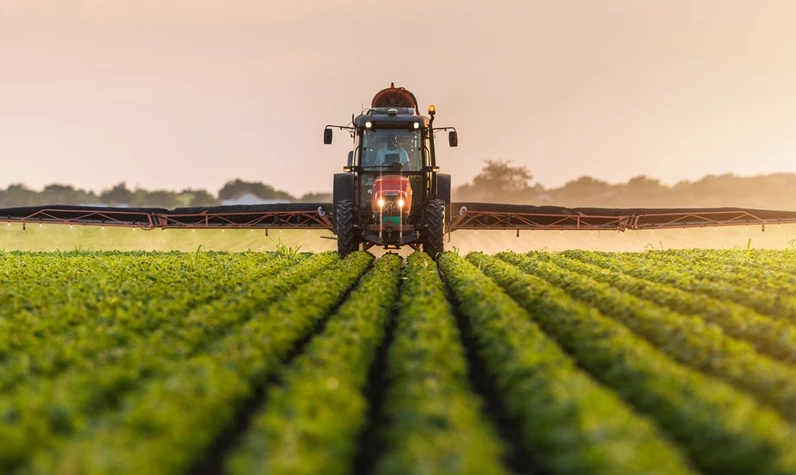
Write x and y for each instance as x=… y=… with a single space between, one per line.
x=399 y=150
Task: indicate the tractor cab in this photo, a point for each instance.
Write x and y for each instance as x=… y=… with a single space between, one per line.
x=391 y=193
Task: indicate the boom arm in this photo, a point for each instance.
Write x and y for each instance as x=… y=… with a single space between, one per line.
x=472 y=216
x=502 y=216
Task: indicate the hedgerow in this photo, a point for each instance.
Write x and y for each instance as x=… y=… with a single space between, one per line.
x=723 y=430
x=311 y=420
x=568 y=423
x=435 y=424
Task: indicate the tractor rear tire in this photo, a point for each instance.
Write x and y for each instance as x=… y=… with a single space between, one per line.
x=344 y=225
x=435 y=220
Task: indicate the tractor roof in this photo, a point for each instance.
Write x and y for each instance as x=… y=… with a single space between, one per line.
x=392 y=108
x=391 y=118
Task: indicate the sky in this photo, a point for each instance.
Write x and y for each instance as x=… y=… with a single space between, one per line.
x=172 y=94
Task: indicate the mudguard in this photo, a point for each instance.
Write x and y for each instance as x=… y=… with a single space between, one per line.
x=444 y=194
x=344 y=188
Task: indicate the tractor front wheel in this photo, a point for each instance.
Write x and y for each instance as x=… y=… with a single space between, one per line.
x=435 y=220
x=344 y=225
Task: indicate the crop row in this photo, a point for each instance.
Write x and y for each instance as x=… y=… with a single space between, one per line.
x=782 y=261
x=702 y=266
x=167 y=424
x=84 y=333
x=762 y=262
x=746 y=294
x=435 y=419
x=44 y=412
x=568 y=423
x=722 y=430
x=686 y=339
x=770 y=336
x=312 y=420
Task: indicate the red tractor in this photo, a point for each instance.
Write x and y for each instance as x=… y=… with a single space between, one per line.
x=392 y=193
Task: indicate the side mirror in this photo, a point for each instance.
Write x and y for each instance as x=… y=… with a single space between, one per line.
x=453 y=138
x=327 y=136
x=351 y=158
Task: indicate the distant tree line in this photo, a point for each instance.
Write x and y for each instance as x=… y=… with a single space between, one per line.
x=121 y=195
x=502 y=182
x=498 y=182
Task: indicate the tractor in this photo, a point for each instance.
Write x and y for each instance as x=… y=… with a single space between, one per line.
x=391 y=193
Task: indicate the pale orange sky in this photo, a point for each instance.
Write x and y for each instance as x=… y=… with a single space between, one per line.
x=174 y=94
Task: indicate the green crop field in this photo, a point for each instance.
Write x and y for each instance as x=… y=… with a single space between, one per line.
x=288 y=362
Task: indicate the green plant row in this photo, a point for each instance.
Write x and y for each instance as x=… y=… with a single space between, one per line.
x=45 y=412
x=686 y=339
x=765 y=260
x=69 y=295
x=435 y=424
x=311 y=421
x=723 y=430
x=760 y=260
x=33 y=287
x=780 y=260
x=74 y=335
x=679 y=275
x=88 y=279
x=769 y=336
x=702 y=266
x=167 y=425
x=568 y=422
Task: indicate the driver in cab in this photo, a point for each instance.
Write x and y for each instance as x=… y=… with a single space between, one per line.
x=391 y=153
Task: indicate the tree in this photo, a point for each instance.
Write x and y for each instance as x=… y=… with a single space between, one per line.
x=190 y=197
x=584 y=191
x=155 y=199
x=19 y=195
x=66 y=195
x=499 y=181
x=261 y=190
x=586 y=186
x=316 y=198
x=501 y=176
x=644 y=191
x=118 y=195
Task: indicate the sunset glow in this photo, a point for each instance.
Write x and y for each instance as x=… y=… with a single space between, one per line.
x=174 y=94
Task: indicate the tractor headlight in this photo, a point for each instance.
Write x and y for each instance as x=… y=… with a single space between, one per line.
x=381 y=202
x=401 y=202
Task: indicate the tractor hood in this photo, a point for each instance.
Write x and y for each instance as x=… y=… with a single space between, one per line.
x=391 y=193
